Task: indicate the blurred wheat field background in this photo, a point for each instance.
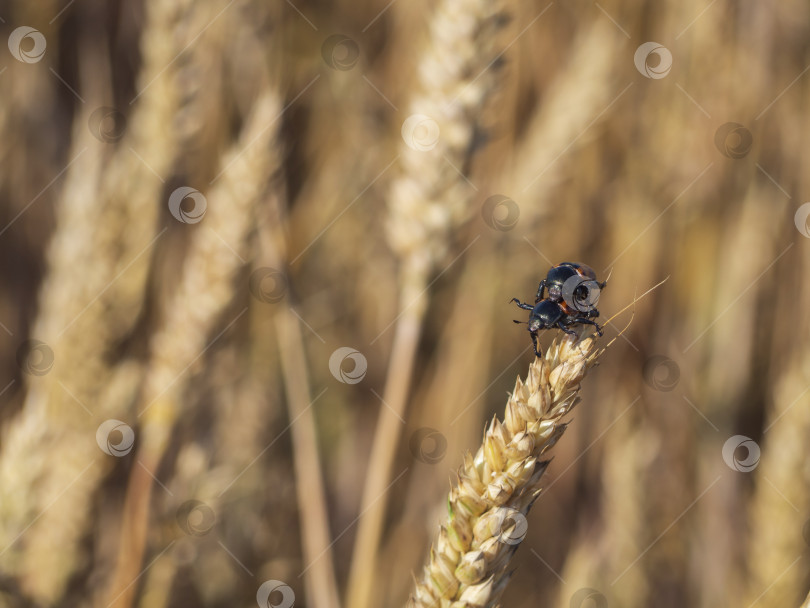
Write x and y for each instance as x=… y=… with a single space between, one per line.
x=257 y=263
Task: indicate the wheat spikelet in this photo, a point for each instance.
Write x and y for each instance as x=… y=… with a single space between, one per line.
x=105 y=220
x=425 y=203
x=455 y=80
x=459 y=374
x=467 y=565
x=190 y=314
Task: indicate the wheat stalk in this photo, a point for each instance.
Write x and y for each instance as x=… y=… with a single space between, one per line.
x=467 y=565
x=189 y=316
x=426 y=204
x=319 y=580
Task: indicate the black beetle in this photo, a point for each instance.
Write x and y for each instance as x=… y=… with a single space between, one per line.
x=573 y=291
x=547 y=314
x=573 y=282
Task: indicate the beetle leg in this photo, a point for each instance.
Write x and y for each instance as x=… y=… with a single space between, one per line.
x=589 y=322
x=534 y=341
x=565 y=329
x=540 y=290
x=522 y=305
x=591 y=313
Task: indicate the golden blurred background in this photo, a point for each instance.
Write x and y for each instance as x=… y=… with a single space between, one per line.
x=257 y=263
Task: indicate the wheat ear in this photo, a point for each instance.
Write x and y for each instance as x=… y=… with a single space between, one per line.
x=190 y=315
x=497 y=486
x=98 y=260
x=427 y=203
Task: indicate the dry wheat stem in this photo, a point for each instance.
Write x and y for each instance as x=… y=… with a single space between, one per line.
x=497 y=486
x=319 y=574
x=321 y=586
x=427 y=202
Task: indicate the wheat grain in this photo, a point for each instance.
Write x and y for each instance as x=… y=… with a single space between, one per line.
x=467 y=565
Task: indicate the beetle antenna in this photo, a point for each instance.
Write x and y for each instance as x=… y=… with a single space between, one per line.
x=518 y=322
